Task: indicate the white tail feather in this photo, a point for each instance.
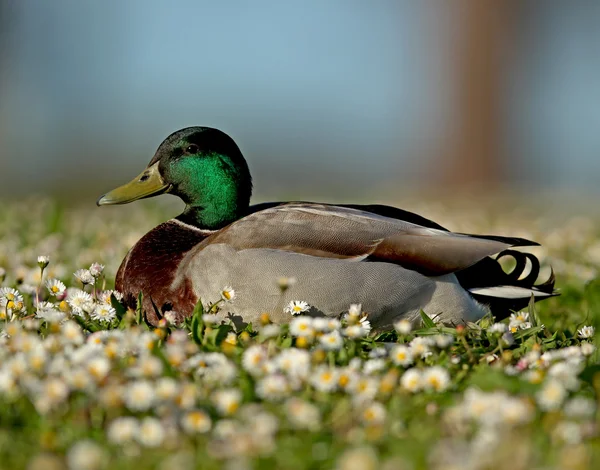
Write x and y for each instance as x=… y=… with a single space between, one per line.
x=508 y=292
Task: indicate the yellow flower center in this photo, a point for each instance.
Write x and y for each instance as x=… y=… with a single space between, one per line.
x=54 y=289
x=227 y=294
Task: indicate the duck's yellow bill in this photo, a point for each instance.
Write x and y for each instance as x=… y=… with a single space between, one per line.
x=146 y=184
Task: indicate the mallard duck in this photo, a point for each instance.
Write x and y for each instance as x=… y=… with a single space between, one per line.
x=395 y=263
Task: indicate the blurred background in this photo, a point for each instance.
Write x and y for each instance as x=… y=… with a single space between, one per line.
x=338 y=100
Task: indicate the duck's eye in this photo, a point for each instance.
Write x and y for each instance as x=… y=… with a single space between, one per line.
x=193 y=148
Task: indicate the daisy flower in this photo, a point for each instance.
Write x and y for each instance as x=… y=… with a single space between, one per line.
x=498 y=328
x=296 y=307
x=355 y=331
x=55 y=287
x=420 y=347
x=302 y=414
x=227 y=293
x=401 y=355
x=324 y=379
x=551 y=396
x=105 y=295
x=104 y=313
x=227 y=401
x=436 y=378
x=7 y=295
x=84 y=276
x=273 y=387
x=403 y=327
x=587 y=349
x=365 y=324
x=412 y=380
x=80 y=302
x=139 y=396
x=86 y=454
x=150 y=432
x=365 y=388
x=586 y=332
x=355 y=310
x=122 y=430
x=302 y=326
x=166 y=388
x=254 y=359
x=98 y=367
x=374 y=414
x=43 y=261
x=96 y=269
x=332 y=341
x=294 y=362
x=196 y=422
x=270 y=330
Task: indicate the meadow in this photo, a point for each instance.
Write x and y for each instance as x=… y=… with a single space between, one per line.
x=87 y=384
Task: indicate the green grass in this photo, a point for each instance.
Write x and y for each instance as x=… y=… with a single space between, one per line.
x=483 y=400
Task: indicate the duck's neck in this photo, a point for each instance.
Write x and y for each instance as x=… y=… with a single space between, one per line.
x=218 y=207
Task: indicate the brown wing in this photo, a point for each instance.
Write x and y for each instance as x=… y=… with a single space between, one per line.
x=341 y=232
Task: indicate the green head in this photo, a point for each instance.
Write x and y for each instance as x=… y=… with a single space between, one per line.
x=201 y=165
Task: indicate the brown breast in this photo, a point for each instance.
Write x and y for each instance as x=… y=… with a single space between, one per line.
x=150 y=267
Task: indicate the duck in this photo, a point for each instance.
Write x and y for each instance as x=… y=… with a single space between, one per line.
x=393 y=262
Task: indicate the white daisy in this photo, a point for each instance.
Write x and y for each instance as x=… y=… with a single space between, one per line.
x=443 y=341
x=586 y=332
x=86 y=455
x=403 y=327
x=84 y=276
x=254 y=359
x=8 y=294
x=98 y=367
x=401 y=355
x=374 y=414
x=331 y=341
x=355 y=331
x=166 y=389
x=302 y=414
x=55 y=287
x=587 y=349
x=122 y=430
x=80 y=302
x=373 y=365
x=324 y=379
x=498 y=328
x=227 y=294
x=436 y=378
x=227 y=401
x=196 y=422
x=96 y=269
x=412 y=380
x=104 y=296
x=273 y=387
x=302 y=326
x=270 y=330
x=420 y=346
x=355 y=310
x=43 y=261
x=150 y=432
x=294 y=362
x=551 y=396
x=139 y=396
x=104 y=313
x=296 y=307
x=365 y=324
